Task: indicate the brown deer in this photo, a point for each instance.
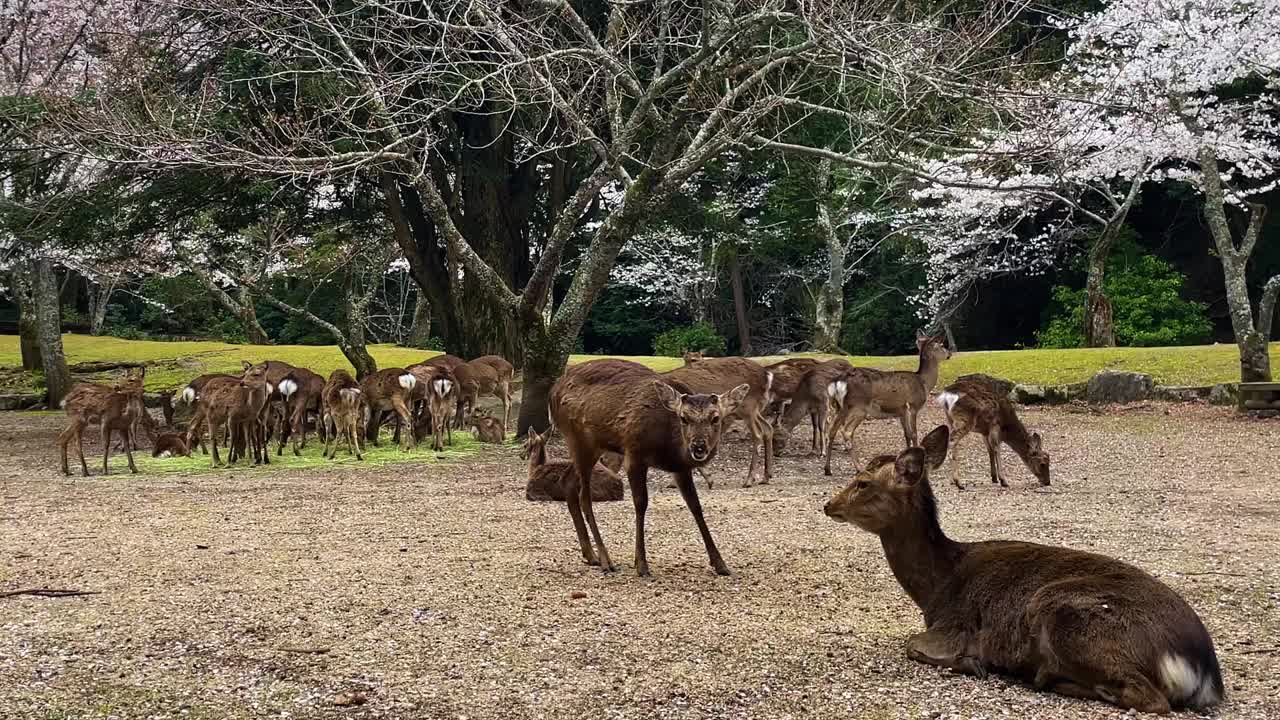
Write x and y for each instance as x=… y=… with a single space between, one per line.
x=486 y=428
x=865 y=392
x=788 y=378
x=342 y=405
x=720 y=375
x=468 y=390
x=489 y=379
x=301 y=391
x=389 y=389
x=549 y=478
x=692 y=357
x=502 y=390
x=171 y=444
x=116 y=408
x=810 y=400
x=240 y=405
x=437 y=392
x=653 y=421
x=276 y=371
x=975 y=406
x=1072 y=622
x=194 y=394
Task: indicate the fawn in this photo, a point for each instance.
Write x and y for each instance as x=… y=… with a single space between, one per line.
x=342 y=405
x=116 y=409
x=486 y=428
x=975 y=406
x=549 y=478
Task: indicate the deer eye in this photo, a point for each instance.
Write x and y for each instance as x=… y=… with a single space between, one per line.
x=861 y=485
x=715 y=417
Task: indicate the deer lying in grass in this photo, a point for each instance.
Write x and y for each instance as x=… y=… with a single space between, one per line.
x=653 y=421
x=1073 y=622
x=549 y=478
x=434 y=398
x=486 y=428
x=720 y=375
x=301 y=391
x=692 y=357
x=491 y=377
x=389 y=389
x=116 y=408
x=974 y=406
x=860 y=393
x=240 y=405
x=342 y=405
x=171 y=444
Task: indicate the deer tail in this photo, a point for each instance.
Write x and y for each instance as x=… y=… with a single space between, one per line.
x=408 y=381
x=188 y=394
x=947 y=400
x=836 y=392
x=288 y=387
x=442 y=387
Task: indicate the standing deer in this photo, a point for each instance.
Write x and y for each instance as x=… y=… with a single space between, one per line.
x=720 y=375
x=389 y=389
x=490 y=378
x=115 y=408
x=975 y=406
x=653 y=421
x=342 y=405
x=467 y=389
x=788 y=389
x=865 y=392
x=1072 y=622
x=275 y=371
x=437 y=390
x=549 y=478
x=302 y=391
x=194 y=394
x=241 y=405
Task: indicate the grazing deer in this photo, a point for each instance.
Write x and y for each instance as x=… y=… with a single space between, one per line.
x=389 y=389
x=115 y=408
x=653 y=421
x=467 y=389
x=975 y=406
x=865 y=392
x=549 y=478
x=302 y=391
x=240 y=405
x=720 y=375
x=194 y=394
x=342 y=405
x=437 y=390
x=275 y=372
x=788 y=384
x=171 y=444
x=486 y=428
x=1073 y=622
x=490 y=378
x=692 y=357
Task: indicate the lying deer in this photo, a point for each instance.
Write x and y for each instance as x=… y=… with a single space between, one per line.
x=1073 y=622
x=860 y=393
x=437 y=393
x=486 y=428
x=115 y=408
x=720 y=375
x=342 y=405
x=171 y=444
x=975 y=406
x=301 y=391
x=653 y=421
x=242 y=406
x=690 y=358
x=389 y=389
x=549 y=478
x=489 y=377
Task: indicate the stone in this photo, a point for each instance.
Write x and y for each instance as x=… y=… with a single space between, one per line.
x=1224 y=394
x=18 y=401
x=1029 y=394
x=1181 y=393
x=1116 y=386
x=999 y=385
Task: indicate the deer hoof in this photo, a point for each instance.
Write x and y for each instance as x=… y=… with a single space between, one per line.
x=722 y=570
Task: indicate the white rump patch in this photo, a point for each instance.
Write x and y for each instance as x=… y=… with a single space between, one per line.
x=188 y=394
x=165 y=455
x=270 y=388
x=947 y=400
x=442 y=387
x=62 y=403
x=408 y=381
x=1181 y=681
x=288 y=387
x=350 y=395
x=837 y=390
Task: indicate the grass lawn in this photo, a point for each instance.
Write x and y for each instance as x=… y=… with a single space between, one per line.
x=181 y=361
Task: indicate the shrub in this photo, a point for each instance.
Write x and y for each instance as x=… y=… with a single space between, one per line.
x=698 y=336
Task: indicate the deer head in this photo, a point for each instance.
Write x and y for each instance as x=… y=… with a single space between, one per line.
x=701 y=417
x=891 y=490
x=933 y=347
x=533 y=444
x=1037 y=459
x=255 y=375
x=692 y=357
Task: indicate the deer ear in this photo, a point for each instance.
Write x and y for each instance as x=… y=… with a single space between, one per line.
x=668 y=396
x=732 y=399
x=878 y=462
x=908 y=468
x=935 y=445
x=142 y=372
x=1034 y=443
x=246 y=364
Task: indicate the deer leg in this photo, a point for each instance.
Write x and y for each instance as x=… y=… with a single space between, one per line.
x=64 y=438
x=638 y=478
x=128 y=453
x=584 y=460
x=935 y=647
x=403 y=418
x=993 y=452
x=106 y=445
x=506 y=408
x=908 y=420
x=299 y=428
x=815 y=443
x=84 y=466
x=961 y=429
x=684 y=480
x=213 y=441
x=846 y=415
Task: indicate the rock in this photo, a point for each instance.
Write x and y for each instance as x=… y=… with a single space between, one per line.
x=1029 y=394
x=19 y=401
x=1181 y=393
x=577 y=595
x=1112 y=386
x=1224 y=394
x=999 y=385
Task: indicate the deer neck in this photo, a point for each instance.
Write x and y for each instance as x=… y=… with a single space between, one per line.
x=537 y=458
x=1015 y=435
x=928 y=371
x=921 y=556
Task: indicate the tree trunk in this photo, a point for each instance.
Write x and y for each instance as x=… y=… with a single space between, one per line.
x=28 y=332
x=354 y=347
x=544 y=361
x=420 y=333
x=57 y=378
x=248 y=315
x=1099 y=330
x=99 y=295
x=740 y=306
x=829 y=310
x=1267 y=307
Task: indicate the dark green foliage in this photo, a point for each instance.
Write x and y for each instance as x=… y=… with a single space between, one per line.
x=696 y=337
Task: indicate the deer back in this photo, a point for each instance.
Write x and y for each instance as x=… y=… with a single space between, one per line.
x=504 y=369
x=720 y=375
x=380 y=387
x=810 y=394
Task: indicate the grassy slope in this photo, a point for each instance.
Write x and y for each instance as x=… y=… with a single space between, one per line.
x=1196 y=365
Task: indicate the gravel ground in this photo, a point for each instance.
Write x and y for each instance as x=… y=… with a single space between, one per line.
x=437 y=591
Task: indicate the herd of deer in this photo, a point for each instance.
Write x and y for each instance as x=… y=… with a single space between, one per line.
x=1076 y=623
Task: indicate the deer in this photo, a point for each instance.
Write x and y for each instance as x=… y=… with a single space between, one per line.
x=467 y=388
x=301 y=391
x=1072 y=622
x=341 y=404
x=788 y=378
x=860 y=393
x=502 y=389
x=193 y=394
x=549 y=478
x=389 y=389
x=437 y=390
x=719 y=375
x=653 y=421
x=276 y=372
x=974 y=406
x=486 y=428
x=241 y=405
x=171 y=444
x=489 y=378
x=690 y=358
x=116 y=409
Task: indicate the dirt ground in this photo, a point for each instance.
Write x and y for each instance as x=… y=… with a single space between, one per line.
x=436 y=591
